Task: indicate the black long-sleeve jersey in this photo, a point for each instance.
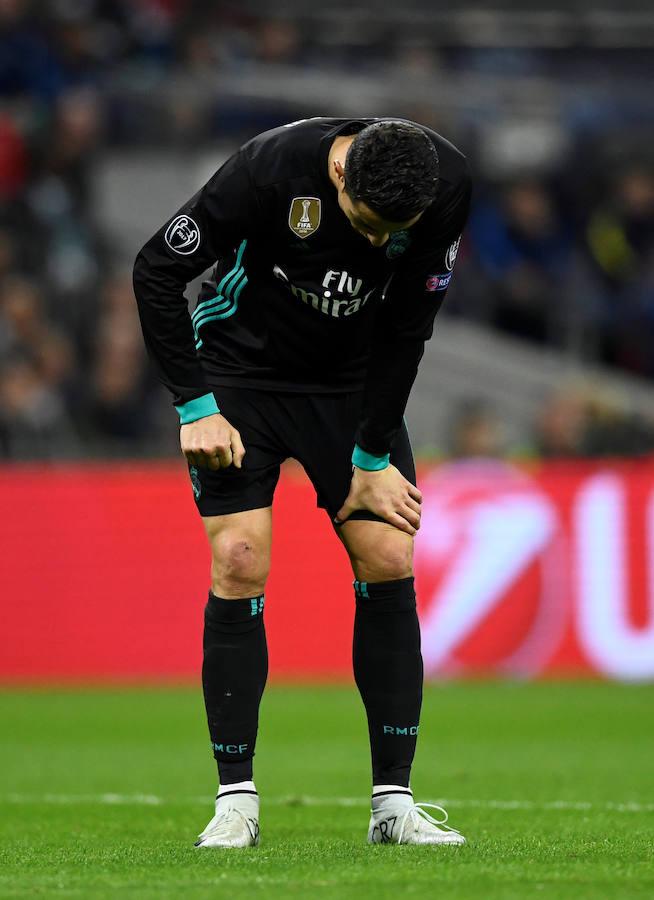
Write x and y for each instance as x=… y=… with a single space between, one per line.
x=298 y=300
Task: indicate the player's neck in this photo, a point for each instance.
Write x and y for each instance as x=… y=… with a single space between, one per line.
x=337 y=153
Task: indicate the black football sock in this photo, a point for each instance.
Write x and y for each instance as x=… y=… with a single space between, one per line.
x=388 y=673
x=234 y=675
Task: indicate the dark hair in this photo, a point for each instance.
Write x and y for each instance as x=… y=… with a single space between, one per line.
x=393 y=168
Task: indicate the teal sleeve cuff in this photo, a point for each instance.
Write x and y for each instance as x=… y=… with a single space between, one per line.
x=197 y=409
x=363 y=460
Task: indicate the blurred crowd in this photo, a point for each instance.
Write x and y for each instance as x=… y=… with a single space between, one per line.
x=551 y=262
x=559 y=254
x=575 y=421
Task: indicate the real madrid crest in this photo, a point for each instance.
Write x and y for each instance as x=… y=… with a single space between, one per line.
x=304 y=216
x=398 y=243
x=195 y=482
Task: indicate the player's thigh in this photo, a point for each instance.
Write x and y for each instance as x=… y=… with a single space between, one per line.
x=329 y=428
x=240 y=551
x=378 y=551
x=232 y=490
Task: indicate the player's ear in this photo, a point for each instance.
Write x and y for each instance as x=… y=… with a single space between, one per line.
x=340 y=171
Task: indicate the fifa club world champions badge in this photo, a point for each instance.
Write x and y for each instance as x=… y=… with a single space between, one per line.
x=304 y=216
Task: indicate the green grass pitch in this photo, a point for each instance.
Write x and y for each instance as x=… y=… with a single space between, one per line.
x=102 y=793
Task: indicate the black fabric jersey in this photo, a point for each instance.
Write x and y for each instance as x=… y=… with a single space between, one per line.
x=298 y=300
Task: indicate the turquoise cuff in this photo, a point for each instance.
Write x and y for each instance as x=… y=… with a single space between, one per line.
x=197 y=409
x=363 y=460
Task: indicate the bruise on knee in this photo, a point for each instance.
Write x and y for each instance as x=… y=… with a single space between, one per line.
x=239 y=564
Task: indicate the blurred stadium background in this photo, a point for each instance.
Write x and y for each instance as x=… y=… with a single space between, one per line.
x=532 y=416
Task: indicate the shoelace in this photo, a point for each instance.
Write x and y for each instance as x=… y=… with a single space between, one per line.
x=418 y=810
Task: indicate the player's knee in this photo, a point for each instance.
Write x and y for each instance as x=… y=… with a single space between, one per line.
x=239 y=566
x=388 y=559
x=390 y=569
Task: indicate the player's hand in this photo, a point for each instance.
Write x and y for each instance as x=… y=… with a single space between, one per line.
x=212 y=442
x=386 y=493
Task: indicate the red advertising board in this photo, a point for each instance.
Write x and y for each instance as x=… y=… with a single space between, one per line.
x=529 y=573
x=542 y=573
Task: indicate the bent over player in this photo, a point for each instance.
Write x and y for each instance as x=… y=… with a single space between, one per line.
x=333 y=243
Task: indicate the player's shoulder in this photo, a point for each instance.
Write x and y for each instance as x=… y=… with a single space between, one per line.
x=293 y=149
x=288 y=151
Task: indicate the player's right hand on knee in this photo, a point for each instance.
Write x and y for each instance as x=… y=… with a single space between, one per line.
x=212 y=442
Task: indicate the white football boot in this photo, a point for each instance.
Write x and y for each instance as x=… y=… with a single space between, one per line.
x=236 y=823
x=396 y=819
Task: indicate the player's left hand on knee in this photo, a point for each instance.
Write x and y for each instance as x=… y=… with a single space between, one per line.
x=388 y=494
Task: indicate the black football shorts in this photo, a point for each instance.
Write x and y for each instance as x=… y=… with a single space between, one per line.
x=315 y=429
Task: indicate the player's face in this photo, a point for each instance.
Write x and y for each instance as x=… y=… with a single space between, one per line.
x=368 y=223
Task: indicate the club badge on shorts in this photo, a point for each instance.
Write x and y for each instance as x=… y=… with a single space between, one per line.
x=195 y=481
x=304 y=216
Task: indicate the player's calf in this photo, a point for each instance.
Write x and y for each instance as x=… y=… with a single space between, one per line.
x=388 y=673
x=234 y=672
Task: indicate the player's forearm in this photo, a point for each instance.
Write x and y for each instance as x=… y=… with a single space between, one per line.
x=184 y=247
x=391 y=373
x=170 y=341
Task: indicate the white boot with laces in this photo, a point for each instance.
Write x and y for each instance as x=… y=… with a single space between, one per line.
x=396 y=819
x=236 y=822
